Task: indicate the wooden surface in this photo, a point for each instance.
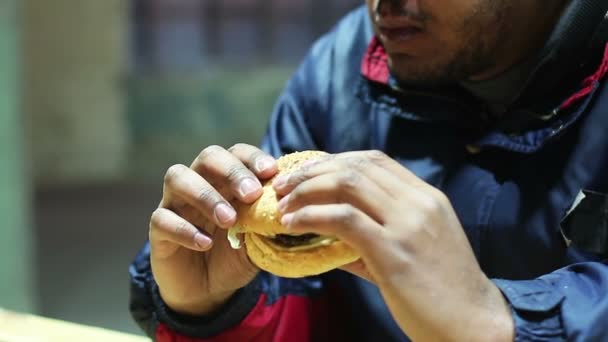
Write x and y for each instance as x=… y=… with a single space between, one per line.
x=28 y=328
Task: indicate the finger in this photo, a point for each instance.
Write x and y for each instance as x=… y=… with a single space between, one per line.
x=417 y=192
x=263 y=165
x=317 y=160
x=379 y=158
x=340 y=187
x=184 y=183
x=220 y=167
x=168 y=231
x=382 y=159
x=384 y=178
x=182 y=208
x=359 y=269
x=343 y=221
x=284 y=183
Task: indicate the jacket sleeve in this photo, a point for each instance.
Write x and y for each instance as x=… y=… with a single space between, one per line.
x=570 y=304
x=267 y=309
x=270 y=306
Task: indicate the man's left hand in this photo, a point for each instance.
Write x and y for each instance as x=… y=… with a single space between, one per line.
x=411 y=243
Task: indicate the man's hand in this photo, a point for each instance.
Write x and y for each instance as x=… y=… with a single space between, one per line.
x=410 y=241
x=193 y=264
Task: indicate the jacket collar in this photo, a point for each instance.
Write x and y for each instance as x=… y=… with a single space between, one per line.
x=375 y=63
x=568 y=56
x=570 y=66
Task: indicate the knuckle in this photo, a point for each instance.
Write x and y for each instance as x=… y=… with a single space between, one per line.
x=255 y=156
x=174 y=173
x=377 y=156
x=181 y=228
x=328 y=157
x=234 y=173
x=359 y=163
x=431 y=206
x=158 y=223
x=208 y=152
x=237 y=147
x=179 y=206
x=349 y=180
x=346 y=215
x=207 y=195
x=299 y=177
x=156 y=218
x=246 y=152
x=441 y=199
x=416 y=223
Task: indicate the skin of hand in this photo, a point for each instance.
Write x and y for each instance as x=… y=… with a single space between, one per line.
x=411 y=243
x=192 y=262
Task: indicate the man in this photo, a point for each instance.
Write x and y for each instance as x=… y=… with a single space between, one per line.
x=483 y=218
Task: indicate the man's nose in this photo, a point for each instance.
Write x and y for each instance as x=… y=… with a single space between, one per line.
x=397 y=7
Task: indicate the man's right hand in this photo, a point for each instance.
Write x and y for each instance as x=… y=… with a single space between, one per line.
x=193 y=264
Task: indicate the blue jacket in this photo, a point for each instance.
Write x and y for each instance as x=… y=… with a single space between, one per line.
x=512 y=182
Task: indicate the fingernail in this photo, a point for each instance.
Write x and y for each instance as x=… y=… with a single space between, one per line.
x=202 y=241
x=264 y=164
x=248 y=186
x=283 y=203
x=286 y=219
x=280 y=181
x=224 y=213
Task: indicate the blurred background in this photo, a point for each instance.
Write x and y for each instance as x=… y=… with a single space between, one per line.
x=97 y=100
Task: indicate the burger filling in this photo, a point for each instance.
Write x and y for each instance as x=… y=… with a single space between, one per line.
x=300 y=242
x=286 y=242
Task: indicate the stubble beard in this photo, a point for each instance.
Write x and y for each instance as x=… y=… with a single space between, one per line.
x=478 y=49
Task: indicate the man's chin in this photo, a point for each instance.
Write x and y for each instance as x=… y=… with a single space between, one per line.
x=417 y=80
x=414 y=72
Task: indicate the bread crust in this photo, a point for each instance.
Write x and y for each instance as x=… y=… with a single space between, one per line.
x=297 y=264
x=262 y=219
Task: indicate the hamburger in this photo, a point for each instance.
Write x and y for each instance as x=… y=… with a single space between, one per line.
x=272 y=248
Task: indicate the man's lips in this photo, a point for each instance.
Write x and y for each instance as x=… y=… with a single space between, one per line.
x=398 y=30
x=399 y=34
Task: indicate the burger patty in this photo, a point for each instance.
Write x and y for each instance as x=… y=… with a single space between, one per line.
x=284 y=240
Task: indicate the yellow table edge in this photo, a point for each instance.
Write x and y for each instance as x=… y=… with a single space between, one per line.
x=17 y=327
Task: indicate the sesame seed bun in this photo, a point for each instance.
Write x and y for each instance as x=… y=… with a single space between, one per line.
x=260 y=224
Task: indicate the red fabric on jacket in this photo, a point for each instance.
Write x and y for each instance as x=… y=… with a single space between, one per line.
x=291 y=318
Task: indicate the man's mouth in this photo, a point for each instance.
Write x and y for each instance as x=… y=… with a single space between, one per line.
x=399 y=34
